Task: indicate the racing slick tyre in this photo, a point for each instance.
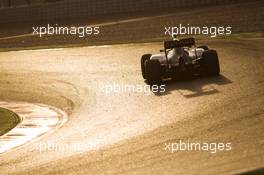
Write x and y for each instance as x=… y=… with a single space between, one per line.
x=144 y=58
x=204 y=47
x=210 y=63
x=153 y=71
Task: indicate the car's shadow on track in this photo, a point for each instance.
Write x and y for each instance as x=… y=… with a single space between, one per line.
x=259 y=171
x=194 y=86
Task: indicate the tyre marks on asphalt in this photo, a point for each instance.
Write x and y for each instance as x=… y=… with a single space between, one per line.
x=37 y=119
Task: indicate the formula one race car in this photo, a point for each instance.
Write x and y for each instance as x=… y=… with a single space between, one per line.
x=180 y=58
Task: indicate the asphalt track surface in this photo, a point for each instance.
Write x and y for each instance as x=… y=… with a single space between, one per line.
x=129 y=130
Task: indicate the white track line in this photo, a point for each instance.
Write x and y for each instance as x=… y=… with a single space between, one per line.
x=37 y=119
x=99 y=24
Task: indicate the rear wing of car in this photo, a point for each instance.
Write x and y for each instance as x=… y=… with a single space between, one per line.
x=186 y=42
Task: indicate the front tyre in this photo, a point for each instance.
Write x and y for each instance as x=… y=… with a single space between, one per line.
x=144 y=58
x=210 y=63
x=204 y=47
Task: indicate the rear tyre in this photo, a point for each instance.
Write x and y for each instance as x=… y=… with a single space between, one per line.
x=210 y=63
x=204 y=47
x=144 y=58
x=153 y=71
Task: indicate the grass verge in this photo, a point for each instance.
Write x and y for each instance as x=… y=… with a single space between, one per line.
x=8 y=120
